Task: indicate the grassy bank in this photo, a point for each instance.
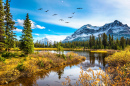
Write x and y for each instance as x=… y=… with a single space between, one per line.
x=75 y=49
x=56 y=49
x=119 y=68
x=15 y=67
x=117 y=74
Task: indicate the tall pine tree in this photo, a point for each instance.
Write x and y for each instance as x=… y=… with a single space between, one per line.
x=27 y=40
x=104 y=41
x=9 y=27
x=2 y=33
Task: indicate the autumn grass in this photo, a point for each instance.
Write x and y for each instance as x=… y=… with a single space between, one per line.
x=99 y=51
x=15 y=67
x=117 y=74
x=56 y=49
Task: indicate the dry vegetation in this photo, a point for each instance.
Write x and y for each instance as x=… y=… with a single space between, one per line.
x=13 y=68
x=98 y=51
x=117 y=74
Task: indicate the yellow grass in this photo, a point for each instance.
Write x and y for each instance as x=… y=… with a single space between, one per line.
x=55 y=49
x=36 y=62
x=117 y=74
x=98 y=51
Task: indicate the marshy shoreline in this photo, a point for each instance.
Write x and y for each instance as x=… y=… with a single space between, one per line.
x=13 y=68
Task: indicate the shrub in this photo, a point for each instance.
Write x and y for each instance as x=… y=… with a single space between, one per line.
x=23 y=55
x=58 y=55
x=41 y=64
x=50 y=61
x=20 y=67
x=8 y=55
x=63 y=56
x=70 y=56
x=2 y=59
x=42 y=56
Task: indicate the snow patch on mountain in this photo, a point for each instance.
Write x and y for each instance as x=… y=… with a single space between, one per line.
x=114 y=28
x=45 y=41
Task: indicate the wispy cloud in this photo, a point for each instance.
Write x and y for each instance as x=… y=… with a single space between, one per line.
x=40 y=27
x=18 y=30
x=49 y=30
x=37 y=34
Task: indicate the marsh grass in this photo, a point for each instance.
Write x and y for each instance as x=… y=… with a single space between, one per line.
x=28 y=65
x=117 y=74
x=99 y=51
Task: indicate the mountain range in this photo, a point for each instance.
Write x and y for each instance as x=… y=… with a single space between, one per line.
x=116 y=28
x=45 y=41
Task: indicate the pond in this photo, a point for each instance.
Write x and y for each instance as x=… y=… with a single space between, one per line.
x=55 y=77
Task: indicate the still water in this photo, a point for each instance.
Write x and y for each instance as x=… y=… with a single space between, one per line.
x=55 y=77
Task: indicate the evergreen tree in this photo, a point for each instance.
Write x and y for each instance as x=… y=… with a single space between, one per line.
x=2 y=33
x=26 y=39
x=122 y=42
x=104 y=41
x=93 y=41
x=127 y=41
x=110 y=41
x=9 y=27
x=100 y=43
x=90 y=42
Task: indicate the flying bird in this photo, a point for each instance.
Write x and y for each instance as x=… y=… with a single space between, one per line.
x=73 y=13
x=79 y=8
x=61 y=20
x=54 y=14
x=66 y=22
x=40 y=9
x=70 y=17
x=47 y=11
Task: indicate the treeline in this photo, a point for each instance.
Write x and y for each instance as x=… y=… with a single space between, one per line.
x=102 y=42
x=8 y=37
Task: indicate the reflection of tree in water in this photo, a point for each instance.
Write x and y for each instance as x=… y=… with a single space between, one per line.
x=29 y=81
x=32 y=81
x=95 y=60
x=60 y=73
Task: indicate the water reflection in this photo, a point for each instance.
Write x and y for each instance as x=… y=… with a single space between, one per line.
x=55 y=77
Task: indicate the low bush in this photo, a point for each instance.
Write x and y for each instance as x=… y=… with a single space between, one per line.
x=40 y=63
x=63 y=56
x=20 y=67
x=8 y=55
x=2 y=59
x=23 y=55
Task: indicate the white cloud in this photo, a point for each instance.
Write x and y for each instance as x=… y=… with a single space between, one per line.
x=20 y=22
x=32 y=24
x=56 y=37
x=40 y=27
x=49 y=30
x=37 y=34
x=18 y=30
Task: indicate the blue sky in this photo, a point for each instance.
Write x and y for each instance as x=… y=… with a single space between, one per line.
x=94 y=12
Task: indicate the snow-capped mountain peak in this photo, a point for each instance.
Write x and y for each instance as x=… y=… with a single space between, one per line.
x=114 y=28
x=45 y=41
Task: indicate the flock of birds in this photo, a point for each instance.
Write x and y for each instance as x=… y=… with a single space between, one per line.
x=57 y=14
